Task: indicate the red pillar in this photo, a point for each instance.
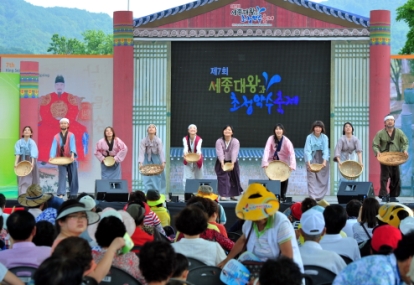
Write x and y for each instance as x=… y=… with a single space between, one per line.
x=29 y=96
x=379 y=83
x=123 y=85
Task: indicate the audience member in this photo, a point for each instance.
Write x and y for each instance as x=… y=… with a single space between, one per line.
x=34 y=199
x=192 y=221
x=281 y=271
x=157 y=262
x=78 y=249
x=156 y=202
x=407 y=225
x=267 y=233
x=72 y=220
x=181 y=267
x=108 y=229
x=2 y=207
x=59 y=270
x=367 y=220
x=45 y=234
x=206 y=191
x=313 y=228
x=142 y=233
x=381 y=269
x=352 y=212
x=307 y=204
x=385 y=239
x=22 y=229
x=335 y=220
x=150 y=219
x=393 y=213
x=211 y=209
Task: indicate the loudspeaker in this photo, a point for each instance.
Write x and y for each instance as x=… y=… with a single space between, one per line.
x=271 y=185
x=111 y=190
x=349 y=190
x=192 y=185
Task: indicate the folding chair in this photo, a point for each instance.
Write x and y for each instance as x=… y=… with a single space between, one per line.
x=346 y=259
x=194 y=263
x=319 y=275
x=24 y=273
x=205 y=275
x=118 y=276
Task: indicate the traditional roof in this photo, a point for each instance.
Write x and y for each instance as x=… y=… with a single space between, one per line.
x=176 y=153
x=309 y=8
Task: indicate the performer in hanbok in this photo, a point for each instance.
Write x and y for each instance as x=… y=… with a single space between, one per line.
x=227 y=150
x=26 y=149
x=279 y=147
x=192 y=144
x=317 y=151
x=64 y=145
x=55 y=106
x=111 y=145
x=151 y=151
x=348 y=147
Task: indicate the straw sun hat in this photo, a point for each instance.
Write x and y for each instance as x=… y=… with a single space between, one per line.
x=33 y=197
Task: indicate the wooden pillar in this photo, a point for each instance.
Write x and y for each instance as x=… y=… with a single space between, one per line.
x=123 y=85
x=379 y=83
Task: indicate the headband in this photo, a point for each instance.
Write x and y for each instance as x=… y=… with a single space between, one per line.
x=192 y=125
x=389 y=117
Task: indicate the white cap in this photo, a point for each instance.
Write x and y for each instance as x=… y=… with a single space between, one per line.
x=389 y=117
x=88 y=201
x=407 y=225
x=312 y=222
x=192 y=125
x=64 y=120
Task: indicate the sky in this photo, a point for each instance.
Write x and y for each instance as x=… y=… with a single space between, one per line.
x=140 y=8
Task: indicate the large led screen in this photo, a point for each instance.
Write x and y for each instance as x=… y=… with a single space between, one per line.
x=251 y=85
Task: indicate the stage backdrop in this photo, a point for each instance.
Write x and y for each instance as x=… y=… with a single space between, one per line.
x=402 y=107
x=250 y=85
x=9 y=118
x=86 y=101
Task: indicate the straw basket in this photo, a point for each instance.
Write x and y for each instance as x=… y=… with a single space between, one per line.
x=392 y=158
x=192 y=157
x=151 y=169
x=23 y=168
x=60 y=160
x=228 y=166
x=350 y=169
x=109 y=161
x=316 y=167
x=278 y=170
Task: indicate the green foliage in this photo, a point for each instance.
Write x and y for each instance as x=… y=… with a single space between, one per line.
x=95 y=42
x=30 y=27
x=406 y=13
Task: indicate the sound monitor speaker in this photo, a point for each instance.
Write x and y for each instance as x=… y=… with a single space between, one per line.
x=192 y=185
x=349 y=190
x=111 y=190
x=271 y=185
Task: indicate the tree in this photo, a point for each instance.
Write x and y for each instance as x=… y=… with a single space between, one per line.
x=395 y=76
x=406 y=14
x=94 y=42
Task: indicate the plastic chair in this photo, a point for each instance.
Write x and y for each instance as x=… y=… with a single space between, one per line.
x=194 y=263
x=118 y=276
x=319 y=275
x=205 y=275
x=233 y=236
x=346 y=259
x=174 y=281
x=24 y=273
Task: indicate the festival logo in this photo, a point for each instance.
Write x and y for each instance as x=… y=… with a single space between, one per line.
x=252 y=16
x=263 y=90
